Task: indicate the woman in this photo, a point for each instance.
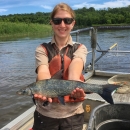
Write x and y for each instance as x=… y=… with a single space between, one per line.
x=65 y=56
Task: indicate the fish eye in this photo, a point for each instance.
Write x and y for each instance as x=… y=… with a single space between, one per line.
x=24 y=91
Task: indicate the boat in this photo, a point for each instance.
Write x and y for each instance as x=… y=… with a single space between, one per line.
x=93 y=102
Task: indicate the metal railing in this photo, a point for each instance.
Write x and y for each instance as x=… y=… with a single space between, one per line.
x=94 y=43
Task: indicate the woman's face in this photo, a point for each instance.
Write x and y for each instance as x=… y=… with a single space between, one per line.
x=62 y=30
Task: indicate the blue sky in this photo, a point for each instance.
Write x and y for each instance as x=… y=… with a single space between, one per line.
x=33 y=6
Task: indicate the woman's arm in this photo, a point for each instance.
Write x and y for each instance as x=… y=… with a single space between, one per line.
x=75 y=71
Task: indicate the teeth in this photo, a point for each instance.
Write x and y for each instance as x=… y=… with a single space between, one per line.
x=62 y=30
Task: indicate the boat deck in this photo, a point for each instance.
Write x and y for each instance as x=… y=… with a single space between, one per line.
x=116 y=96
x=92 y=100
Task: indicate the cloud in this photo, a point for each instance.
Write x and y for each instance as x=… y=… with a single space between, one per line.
x=97 y=4
x=3 y=10
x=117 y=3
x=11 y=6
x=46 y=7
x=111 y=4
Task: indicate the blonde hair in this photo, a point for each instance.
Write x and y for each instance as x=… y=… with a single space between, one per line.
x=62 y=6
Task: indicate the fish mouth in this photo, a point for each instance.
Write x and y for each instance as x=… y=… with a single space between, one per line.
x=19 y=93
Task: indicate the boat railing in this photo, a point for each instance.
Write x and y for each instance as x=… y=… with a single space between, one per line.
x=96 y=47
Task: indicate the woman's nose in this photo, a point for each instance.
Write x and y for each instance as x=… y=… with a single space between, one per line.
x=62 y=23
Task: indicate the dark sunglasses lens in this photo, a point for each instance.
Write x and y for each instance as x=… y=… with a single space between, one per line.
x=57 y=21
x=68 y=20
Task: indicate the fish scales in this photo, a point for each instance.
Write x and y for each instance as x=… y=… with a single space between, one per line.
x=55 y=88
x=50 y=88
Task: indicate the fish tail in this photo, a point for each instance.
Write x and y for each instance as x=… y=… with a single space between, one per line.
x=108 y=90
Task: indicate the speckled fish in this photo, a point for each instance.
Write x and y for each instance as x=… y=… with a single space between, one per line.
x=59 y=88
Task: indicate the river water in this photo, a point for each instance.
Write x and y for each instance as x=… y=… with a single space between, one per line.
x=17 y=67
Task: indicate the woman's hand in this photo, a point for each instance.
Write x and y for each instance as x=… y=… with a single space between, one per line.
x=78 y=93
x=42 y=98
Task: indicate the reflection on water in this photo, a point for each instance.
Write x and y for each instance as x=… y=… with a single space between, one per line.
x=17 y=67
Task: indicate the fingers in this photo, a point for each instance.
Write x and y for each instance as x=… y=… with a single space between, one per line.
x=78 y=93
x=42 y=98
x=50 y=100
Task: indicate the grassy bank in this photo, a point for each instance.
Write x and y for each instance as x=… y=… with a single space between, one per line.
x=9 y=30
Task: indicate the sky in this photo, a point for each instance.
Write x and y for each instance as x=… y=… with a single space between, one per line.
x=32 y=6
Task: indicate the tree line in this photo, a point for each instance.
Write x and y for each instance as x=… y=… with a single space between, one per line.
x=84 y=17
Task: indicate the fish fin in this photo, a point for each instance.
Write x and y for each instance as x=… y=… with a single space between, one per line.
x=61 y=100
x=45 y=103
x=108 y=90
x=57 y=75
x=88 y=92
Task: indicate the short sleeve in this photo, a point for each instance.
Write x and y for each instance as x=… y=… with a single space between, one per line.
x=41 y=56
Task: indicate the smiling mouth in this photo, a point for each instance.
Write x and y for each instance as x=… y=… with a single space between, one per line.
x=62 y=30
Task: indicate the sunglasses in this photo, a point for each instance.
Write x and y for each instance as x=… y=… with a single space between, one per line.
x=58 y=21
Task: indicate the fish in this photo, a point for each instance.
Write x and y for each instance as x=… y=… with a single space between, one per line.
x=60 y=88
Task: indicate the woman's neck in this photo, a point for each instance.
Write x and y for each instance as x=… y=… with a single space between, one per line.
x=61 y=42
